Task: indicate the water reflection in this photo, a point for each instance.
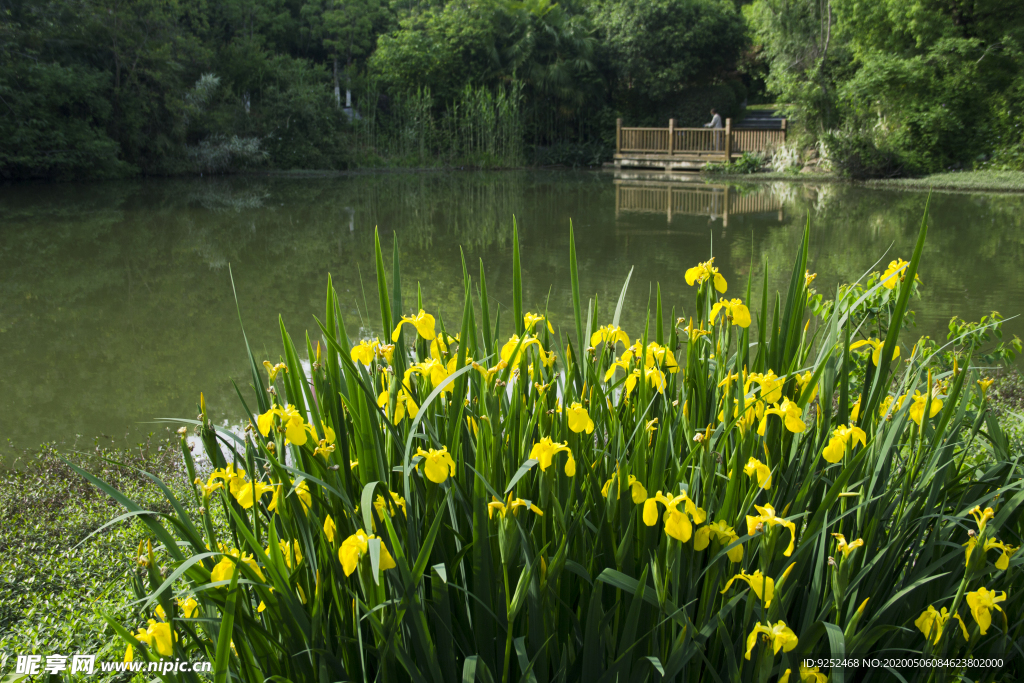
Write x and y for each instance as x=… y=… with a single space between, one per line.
x=116 y=305
x=673 y=198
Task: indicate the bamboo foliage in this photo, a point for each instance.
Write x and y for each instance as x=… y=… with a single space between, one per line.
x=482 y=127
x=486 y=499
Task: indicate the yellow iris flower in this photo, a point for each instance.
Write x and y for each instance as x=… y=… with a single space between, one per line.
x=735 y=309
x=637 y=490
x=440 y=346
x=511 y=505
x=437 y=464
x=187 y=608
x=422 y=321
x=843 y=437
x=272 y=369
x=692 y=333
x=1003 y=562
x=251 y=492
x=761 y=470
x=763 y=586
x=356 y=546
x=610 y=334
x=779 y=635
x=917 y=408
x=985 y=384
x=301 y=490
x=656 y=378
x=530 y=320
x=747 y=415
x=544 y=451
x=404 y=403
x=981 y=517
x=655 y=356
x=810 y=675
x=396 y=501
x=291 y=552
x=330 y=529
x=727 y=381
x=721 y=532
x=157 y=636
x=790 y=413
x=434 y=370
x=766 y=517
x=706 y=271
x=677 y=522
x=579 y=418
x=876 y=349
x=223 y=570
x=386 y=352
x=801 y=383
x=844 y=547
x=510 y=347
x=488 y=373
x=242 y=490
x=292 y=424
x=365 y=351
x=770 y=384
x=931 y=623
x=982 y=602
x=892 y=275
x=631 y=379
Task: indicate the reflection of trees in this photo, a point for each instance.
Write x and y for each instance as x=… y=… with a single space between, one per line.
x=115 y=307
x=972 y=257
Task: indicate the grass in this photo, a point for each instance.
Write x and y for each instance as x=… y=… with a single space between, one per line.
x=52 y=588
x=962 y=181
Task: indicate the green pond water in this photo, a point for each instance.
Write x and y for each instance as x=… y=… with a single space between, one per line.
x=116 y=305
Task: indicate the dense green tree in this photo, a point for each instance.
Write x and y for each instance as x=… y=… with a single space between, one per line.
x=661 y=48
x=441 y=50
x=105 y=88
x=912 y=86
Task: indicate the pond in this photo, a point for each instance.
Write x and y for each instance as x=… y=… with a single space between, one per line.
x=116 y=305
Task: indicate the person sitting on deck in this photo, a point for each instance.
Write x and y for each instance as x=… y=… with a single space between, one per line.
x=716 y=120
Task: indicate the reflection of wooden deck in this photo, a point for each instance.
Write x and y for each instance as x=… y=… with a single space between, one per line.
x=705 y=200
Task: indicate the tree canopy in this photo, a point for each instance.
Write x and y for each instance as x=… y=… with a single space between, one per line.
x=109 y=88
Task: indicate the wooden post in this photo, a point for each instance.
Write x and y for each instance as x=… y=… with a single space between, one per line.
x=728 y=141
x=618 y=136
x=783 y=130
x=671 y=136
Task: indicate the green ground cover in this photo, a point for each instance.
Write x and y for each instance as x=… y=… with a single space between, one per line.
x=963 y=181
x=960 y=181
x=52 y=584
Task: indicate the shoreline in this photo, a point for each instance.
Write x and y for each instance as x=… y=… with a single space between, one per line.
x=961 y=182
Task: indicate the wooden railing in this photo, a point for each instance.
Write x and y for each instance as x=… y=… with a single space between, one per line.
x=753 y=140
x=650 y=140
x=704 y=142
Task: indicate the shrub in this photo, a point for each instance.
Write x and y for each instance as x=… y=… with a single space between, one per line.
x=587 y=505
x=860 y=156
x=219 y=154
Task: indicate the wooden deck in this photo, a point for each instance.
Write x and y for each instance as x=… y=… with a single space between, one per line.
x=673 y=198
x=689 y=149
